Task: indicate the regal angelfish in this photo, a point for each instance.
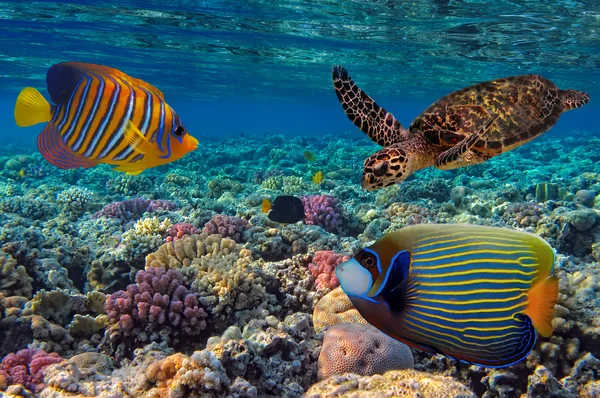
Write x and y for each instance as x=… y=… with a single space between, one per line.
x=476 y=294
x=101 y=115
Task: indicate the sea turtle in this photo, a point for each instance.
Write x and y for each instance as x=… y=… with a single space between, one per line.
x=464 y=128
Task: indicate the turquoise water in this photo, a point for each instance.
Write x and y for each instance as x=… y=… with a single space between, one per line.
x=251 y=80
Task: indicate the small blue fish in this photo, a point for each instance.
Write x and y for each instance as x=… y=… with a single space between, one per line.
x=475 y=294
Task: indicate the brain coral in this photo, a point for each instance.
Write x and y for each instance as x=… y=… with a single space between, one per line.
x=361 y=349
x=335 y=307
x=394 y=383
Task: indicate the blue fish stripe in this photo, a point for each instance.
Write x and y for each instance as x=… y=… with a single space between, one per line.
x=90 y=116
x=161 y=127
x=117 y=135
x=67 y=110
x=75 y=119
x=106 y=119
x=470 y=293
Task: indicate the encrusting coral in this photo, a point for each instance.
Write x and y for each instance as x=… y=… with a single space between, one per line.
x=394 y=383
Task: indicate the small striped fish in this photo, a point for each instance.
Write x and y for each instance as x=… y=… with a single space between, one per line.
x=102 y=115
x=476 y=294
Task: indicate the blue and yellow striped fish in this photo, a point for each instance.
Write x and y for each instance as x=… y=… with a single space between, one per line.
x=476 y=294
x=102 y=115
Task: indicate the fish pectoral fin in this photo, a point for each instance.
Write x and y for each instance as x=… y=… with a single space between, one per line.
x=137 y=141
x=455 y=157
x=56 y=152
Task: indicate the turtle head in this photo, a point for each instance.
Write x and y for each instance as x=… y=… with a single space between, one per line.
x=387 y=167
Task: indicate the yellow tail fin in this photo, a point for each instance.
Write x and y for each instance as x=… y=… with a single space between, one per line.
x=266 y=206
x=542 y=298
x=31 y=108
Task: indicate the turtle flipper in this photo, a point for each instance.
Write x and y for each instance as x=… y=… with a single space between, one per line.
x=460 y=155
x=380 y=125
x=572 y=99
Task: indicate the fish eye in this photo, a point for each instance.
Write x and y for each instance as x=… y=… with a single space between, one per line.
x=368 y=262
x=179 y=130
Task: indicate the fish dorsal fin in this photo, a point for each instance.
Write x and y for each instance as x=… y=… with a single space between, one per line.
x=57 y=153
x=398 y=286
x=63 y=78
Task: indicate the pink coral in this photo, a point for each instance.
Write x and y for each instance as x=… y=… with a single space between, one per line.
x=228 y=227
x=178 y=231
x=323 y=266
x=26 y=367
x=157 y=300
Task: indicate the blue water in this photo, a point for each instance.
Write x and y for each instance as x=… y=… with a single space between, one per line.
x=263 y=67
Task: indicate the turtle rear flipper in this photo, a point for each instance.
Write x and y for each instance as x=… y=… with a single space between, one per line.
x=572 y=99
x=380 y=125
x=460 y=155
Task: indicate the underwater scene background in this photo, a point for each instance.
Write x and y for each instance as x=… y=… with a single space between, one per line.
x=175 y=283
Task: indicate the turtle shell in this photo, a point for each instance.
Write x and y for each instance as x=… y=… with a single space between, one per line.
x=527 y=106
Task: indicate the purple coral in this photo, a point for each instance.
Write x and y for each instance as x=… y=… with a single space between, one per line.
x=26 y=367
x=323 y=266
x=323 y=210
x=157 y=299
x=133 y=209
x=230 y=227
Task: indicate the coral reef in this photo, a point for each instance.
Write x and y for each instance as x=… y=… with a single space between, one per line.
x=206 y=296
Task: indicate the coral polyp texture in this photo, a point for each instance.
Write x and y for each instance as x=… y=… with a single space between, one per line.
x=175 y=283
x=157 y=306
x=26 y=368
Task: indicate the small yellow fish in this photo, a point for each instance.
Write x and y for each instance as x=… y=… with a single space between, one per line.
x=22 y=173
x=308 y=155
x=318 y=177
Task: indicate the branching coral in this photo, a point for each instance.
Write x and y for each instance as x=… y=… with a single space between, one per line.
x=226 y=226
x=133 y=209
x=26 y=367
x=323 y=210
x=157 y=306
x=323 y=266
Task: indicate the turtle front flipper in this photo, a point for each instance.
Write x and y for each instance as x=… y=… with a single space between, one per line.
x=460 y=155
x=380 y=125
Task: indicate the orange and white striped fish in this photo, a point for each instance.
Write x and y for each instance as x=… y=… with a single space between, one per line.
x=101 y=115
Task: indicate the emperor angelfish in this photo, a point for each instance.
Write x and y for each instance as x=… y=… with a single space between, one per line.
x=476 y=294
x=101 y=115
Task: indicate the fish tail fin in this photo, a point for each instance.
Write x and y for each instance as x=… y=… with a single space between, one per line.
x=266 y=205
x=32 y=108
x=542 y=298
